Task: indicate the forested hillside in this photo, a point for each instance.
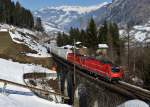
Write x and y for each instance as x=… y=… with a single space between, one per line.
x=14 y=14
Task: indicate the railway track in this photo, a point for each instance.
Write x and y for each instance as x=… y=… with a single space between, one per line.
x=123 y=88
x=139 y=92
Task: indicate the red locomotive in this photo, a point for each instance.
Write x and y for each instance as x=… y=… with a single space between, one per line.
x=96 y=67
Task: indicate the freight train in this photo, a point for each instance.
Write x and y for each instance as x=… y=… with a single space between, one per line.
x=94 y=67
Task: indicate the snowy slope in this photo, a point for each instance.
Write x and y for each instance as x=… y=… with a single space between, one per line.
x=61 y=18
x=26 y=36
x=25 y=101
x=139 y=33
x=142 y=32
x=13 y=71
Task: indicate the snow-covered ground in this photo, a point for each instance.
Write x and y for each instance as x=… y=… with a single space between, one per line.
x=134 y=103
x=13 y=71
x=24 y=36
x=25 y=101
x=3 y=30
x=139 y=33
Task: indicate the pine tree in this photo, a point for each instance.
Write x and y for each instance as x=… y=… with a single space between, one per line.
x=92 y=35
x=83 y=38
x=65 y=39
x=1 y=11
x=38 y=24
x=12 y=13
x=109 y=34
x=59 y=39
x=18 y=20
x=72 y=35
x=77 y=34
x=102 y=33
x=116 y=42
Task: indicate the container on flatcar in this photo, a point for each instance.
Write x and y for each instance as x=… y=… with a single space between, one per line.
x=63 y=52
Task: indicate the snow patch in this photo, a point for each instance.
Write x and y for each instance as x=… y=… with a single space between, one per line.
x=140 y=36
x=35 y=55
x=142 y=28
x=13 y=71
x=139 y=33
x=3 y=30
x=134 y=103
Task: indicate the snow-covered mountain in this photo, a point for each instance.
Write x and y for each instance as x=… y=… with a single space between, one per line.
x=63 y=17
x=60 y=18
x=129 y=11
x=134 y=12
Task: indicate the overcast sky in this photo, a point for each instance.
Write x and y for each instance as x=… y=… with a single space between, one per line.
x=36 y=4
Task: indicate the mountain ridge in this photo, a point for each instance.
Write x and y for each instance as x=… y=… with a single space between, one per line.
x=122 y=12
x=80 y=9
x=63 y=17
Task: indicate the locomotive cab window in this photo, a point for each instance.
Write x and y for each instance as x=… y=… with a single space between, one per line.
x=115 y=69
